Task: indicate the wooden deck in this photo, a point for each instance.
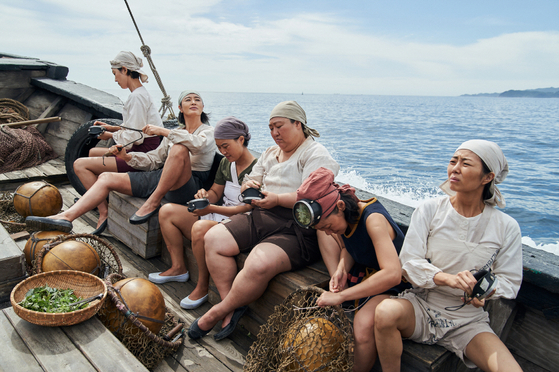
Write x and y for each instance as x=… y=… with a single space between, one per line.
x=201 y=355
x=529 y=327
x=83 y=347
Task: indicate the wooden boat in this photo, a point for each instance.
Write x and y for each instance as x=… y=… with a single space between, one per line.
x=531 y=331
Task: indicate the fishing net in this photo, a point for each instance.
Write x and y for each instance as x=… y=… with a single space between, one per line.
x=110 y=262
x=300 y=336
x=12 y=221
x=20 y=147
x=146 y=346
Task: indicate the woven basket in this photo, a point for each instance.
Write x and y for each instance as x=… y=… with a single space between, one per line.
x=84 y=285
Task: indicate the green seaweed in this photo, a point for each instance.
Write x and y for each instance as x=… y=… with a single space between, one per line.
x=51 y=300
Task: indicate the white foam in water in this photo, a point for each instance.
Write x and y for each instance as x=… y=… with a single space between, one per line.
x=551 y=248
x=400 y=194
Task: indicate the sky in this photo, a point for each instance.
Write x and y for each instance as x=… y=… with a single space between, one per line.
x=424 y=48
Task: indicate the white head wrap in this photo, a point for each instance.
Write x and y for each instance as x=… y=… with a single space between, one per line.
x=131 y=62
x=493 y=157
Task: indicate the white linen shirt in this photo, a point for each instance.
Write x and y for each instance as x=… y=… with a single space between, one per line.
x=286 y=177
x=437 y=218
x=201 y=145
x=139 y=111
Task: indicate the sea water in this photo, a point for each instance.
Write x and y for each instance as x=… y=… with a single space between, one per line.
x=399 y=146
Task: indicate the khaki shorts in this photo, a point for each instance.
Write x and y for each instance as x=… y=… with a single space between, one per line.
x=275 y=226
x=451 y=329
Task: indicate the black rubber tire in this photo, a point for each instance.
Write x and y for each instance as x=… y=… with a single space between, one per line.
x=78 y=146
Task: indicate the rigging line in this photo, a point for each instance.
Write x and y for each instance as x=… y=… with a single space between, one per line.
x=166 y=100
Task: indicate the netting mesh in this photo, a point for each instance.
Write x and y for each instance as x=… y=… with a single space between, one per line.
x=300 y=336
x=20 y=147
x=12 y=221
x=146 y=346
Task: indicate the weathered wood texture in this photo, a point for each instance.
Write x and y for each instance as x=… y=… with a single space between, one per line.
x=58 y=133
x=87 y=346
x=12 y=264
x=535 y=338
x=53 y=171
x=144 y=239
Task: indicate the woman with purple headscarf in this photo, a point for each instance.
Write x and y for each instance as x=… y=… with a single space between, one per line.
x=231 y=137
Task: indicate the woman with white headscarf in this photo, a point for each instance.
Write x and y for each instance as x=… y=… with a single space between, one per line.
x=448 y=238
x=139 y=110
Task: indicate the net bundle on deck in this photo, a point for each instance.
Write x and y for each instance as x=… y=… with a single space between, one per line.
x=20 y=147
x=12 y=221
x=300 y=336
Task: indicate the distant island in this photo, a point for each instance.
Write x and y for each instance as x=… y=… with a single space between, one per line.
x=533 y=93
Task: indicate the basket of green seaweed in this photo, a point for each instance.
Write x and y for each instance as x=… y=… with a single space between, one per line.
x=58 y=298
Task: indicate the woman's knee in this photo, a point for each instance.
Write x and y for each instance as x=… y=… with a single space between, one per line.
x=218 y=240
x=387 y=314
x=200 y=228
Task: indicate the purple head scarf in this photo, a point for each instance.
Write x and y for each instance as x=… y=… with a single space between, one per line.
x=231 y=128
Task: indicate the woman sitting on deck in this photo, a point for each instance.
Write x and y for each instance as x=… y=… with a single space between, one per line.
x=372 y=242
x=448 y=237
x=138 y=111
x=232 y=137
x=173 y=172
x=275 y=242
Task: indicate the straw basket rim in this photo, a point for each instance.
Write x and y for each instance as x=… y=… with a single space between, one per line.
x=94 y=286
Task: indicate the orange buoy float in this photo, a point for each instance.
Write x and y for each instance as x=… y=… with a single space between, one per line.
x=313 y=343
x=37 y=199
x=37 y=240
x=72 y=255
x=143 y=299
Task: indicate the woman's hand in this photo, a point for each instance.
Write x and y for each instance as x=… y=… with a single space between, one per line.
x=203 y=211
x=270 y=200
x=329 y=299
x=120 y=152
x=464 y=280
x=108 y=128
x=251 y=184
x=338 y=281
x=154 y=130
x=201 y=194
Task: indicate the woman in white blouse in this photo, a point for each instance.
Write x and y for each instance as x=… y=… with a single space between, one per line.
x=176 y=170
x=448 y=238
x=139 y=110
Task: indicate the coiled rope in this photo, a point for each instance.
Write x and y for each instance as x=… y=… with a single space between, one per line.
x=146 y=50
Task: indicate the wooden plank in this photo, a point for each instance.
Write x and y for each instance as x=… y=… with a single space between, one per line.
x=15 y=79
x=15 y=354
x=39 y=101
x=51 y=347
x=12 y=261
x=96 y=342
x=535 y=338
x=51 y=110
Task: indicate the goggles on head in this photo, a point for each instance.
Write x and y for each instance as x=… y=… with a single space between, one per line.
x=307 y=213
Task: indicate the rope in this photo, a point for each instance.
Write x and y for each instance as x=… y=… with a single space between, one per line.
x=166 y=100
